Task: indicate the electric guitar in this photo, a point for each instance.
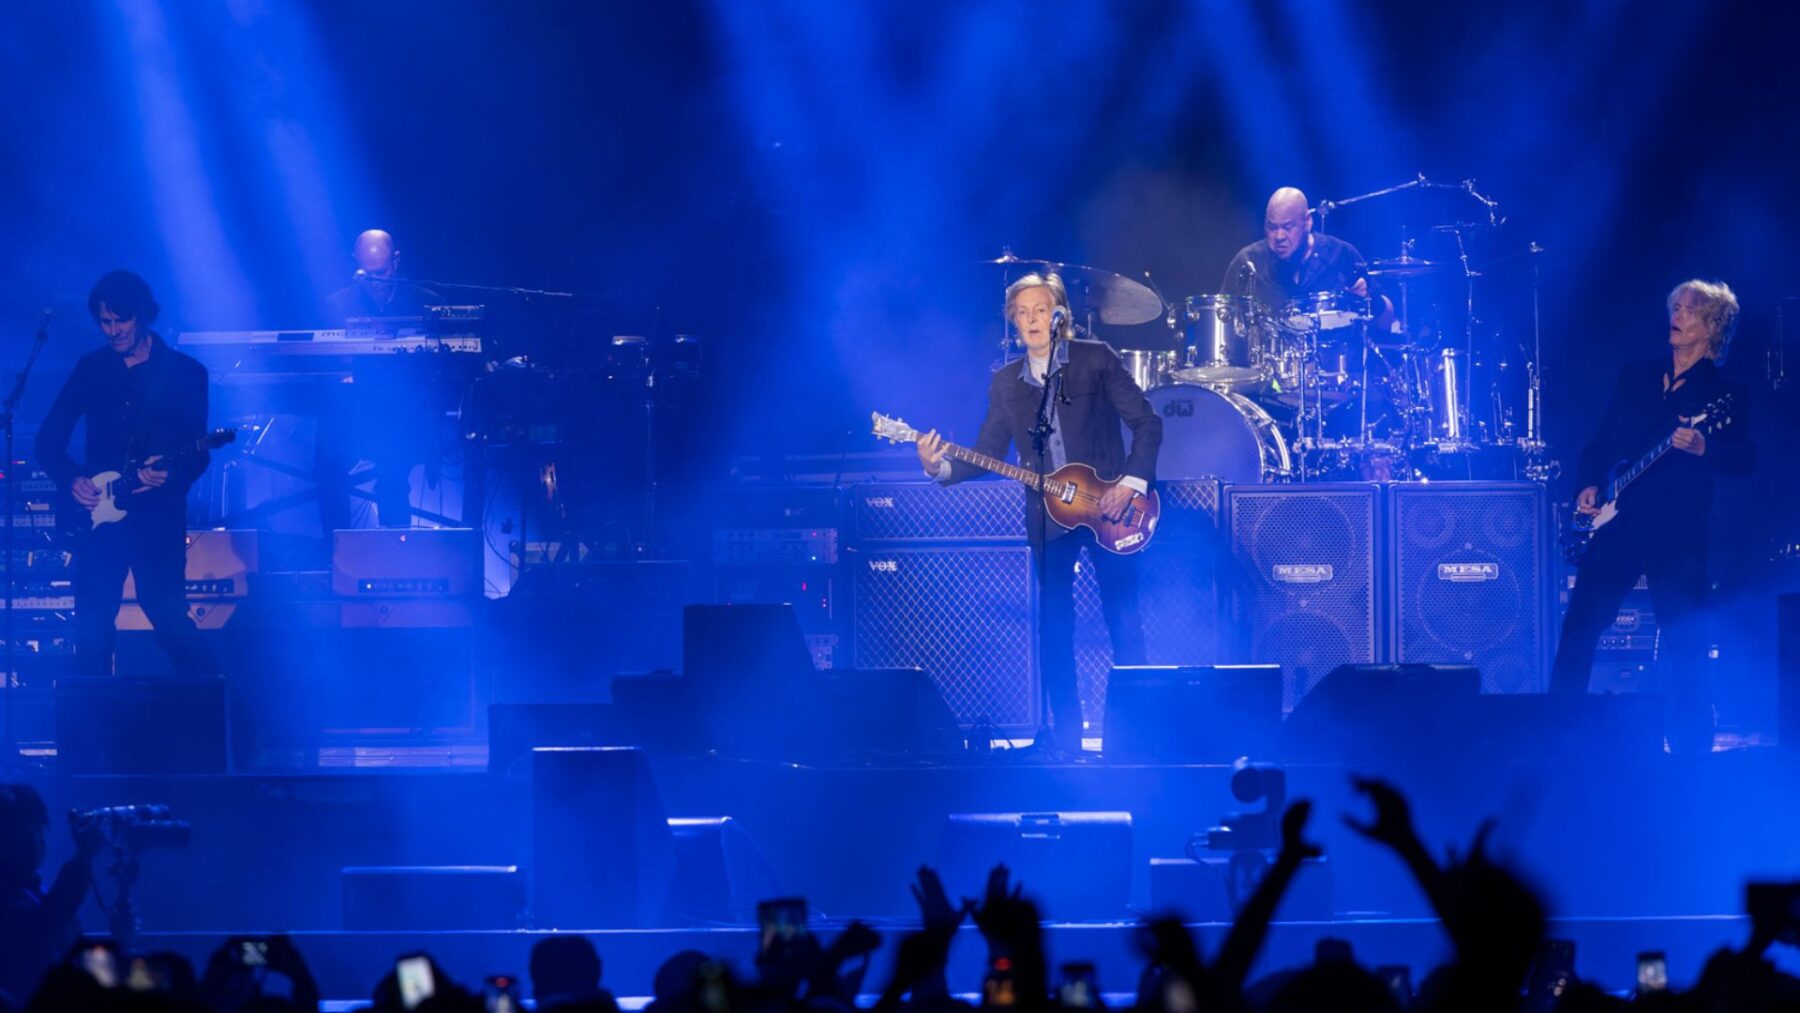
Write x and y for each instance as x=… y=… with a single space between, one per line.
x=1711 y=418
x=116 y=488
x=1071 y=493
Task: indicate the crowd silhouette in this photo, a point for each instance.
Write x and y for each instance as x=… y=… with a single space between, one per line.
x=1501 y=957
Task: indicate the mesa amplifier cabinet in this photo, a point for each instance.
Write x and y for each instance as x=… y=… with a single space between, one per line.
x=406 y=563
x=1302 y=578
x=983 y=510
x=963 y=615
x=1471 y=579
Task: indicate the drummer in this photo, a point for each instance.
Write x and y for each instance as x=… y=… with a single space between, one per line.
x=1291 y=261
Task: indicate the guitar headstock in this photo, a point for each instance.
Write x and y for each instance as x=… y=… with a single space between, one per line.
x=893 y=430
x=1713 y=416
x=218 y=438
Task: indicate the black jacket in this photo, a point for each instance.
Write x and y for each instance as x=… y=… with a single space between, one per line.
x=1679 y=486
x=172 y=415
x=1100 y=396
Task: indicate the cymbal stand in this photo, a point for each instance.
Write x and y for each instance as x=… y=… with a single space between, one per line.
x=1419 y=182
x=1466 y=380
x=1537 y=467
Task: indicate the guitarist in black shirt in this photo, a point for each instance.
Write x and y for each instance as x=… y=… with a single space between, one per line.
x=143 y=401
x=1087 y=398
x=1660 y=528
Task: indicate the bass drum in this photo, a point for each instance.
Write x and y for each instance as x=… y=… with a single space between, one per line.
x=1211 y=433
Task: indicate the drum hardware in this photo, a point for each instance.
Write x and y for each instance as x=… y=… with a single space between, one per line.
x=1404 y=266
x=1223 y=343
x=1467 y=186
x=1326 y=311
x=1151 y=368
x=1096 y=292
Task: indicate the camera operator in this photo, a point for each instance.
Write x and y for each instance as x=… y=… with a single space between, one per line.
x=36 y=927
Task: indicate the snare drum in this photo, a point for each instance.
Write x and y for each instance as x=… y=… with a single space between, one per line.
x=1209 y=433
x=1305 y=369
x=1223 y=345
x=1151 y=369
x=1325 y=311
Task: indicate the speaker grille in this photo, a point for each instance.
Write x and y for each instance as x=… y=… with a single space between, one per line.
x=979 y=511
x=1472 y=580
x=961 y=614
x=1303 y=578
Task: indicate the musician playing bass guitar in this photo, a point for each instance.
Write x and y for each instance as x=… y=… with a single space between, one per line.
x=143 y=402
x=1083 y=392
x=1685 y=407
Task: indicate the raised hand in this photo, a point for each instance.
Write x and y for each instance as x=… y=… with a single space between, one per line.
x=1477 y=846
x=1393 y=823
x=935 y=910
x=990 y=915
x=1293 y=826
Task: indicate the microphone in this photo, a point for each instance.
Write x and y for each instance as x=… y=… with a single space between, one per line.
x=1058 y=321
x=43 y=327
x=1247 y=276
x=359 y=276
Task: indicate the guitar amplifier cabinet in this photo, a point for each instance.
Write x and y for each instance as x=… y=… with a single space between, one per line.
x=1304 y=577
x=960 y=613
x=1625 y=657
x=219 y=565
x=976 y=511
x=1471 y=579
x=406 y=562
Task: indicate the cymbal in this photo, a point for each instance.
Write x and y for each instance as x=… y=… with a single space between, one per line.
x=1114 y=298
x=1405 y=266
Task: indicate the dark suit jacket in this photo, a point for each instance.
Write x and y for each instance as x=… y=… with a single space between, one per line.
x=1100 y=395
x=1678 y=488
x=99 y=391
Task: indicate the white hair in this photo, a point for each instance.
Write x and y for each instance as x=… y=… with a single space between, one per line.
x=1717 y=306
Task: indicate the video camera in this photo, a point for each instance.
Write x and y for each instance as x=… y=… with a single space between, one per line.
x=133 y=828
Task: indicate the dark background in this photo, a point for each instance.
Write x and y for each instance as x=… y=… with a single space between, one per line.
x=808 y=186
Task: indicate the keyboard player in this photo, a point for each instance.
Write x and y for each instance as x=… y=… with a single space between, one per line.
x=384 y=416
x=374 y=290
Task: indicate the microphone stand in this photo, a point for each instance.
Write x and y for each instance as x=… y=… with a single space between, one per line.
x=1040 y=445
x=8 y=413
x=470 y=287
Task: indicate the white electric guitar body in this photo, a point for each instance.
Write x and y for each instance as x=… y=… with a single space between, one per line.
x=116 y=487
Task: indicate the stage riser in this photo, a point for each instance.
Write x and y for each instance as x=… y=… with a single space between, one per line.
x=1603 y=838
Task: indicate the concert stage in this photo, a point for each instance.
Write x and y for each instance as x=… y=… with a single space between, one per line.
x=1645 y=853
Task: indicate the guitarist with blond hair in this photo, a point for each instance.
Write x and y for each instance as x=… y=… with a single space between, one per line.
x=145 y=408
x=1081 y=393
x=1673 y=425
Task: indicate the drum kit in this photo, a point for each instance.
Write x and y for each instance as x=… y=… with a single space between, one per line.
x=1313 y=389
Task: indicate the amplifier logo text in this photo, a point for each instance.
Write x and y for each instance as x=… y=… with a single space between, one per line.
x=1468 y=573
x=884 y=566
x=1302 y=573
